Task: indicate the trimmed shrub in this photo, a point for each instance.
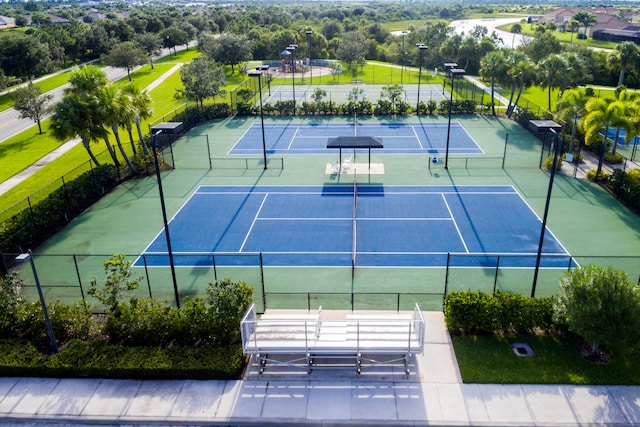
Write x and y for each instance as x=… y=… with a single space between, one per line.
x=471 y=312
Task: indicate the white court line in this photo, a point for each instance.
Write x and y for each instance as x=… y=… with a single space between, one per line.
x=455 y=224
x=264 y=199
x=293 y=138
x=417 y=137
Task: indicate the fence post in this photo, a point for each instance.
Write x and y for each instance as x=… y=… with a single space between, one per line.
x=504 y=153
x=146 y=273
x=75 y=262
x=215 y=270
x=208 y=152
x=495 y=277
x=264 y=295
x=446 y=279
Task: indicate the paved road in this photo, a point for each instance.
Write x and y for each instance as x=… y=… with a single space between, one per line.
x=11 y=125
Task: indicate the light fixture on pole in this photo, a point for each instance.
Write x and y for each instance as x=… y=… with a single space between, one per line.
x=265 y=72
x=258 y=74
x=308 y=33
x=402 y=58
x=554 y=128
x=454 y=72
x=421 y=47
x=29 y=257
x=154 y=133
x=291 y=49
x=447 y=67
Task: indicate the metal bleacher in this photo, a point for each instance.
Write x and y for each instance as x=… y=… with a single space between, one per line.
x=358 y=337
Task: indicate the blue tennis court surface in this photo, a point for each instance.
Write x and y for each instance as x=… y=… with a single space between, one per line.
x=394 y=226
x=398 y=138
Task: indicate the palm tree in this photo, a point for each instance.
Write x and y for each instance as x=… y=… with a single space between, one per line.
x=573 y=26
x=625 y=54
x=86 y=82
x=515 y=29
x=141 y=102
x=602 y=115
x=572 y=106
x=492 y=66
x=627 y=98
x=74 y=116
x=115 y=109
x=553 y=74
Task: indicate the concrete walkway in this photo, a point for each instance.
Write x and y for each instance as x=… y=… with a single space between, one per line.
x=432 y=395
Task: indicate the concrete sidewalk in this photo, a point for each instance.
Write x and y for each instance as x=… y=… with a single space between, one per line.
x=431 y=395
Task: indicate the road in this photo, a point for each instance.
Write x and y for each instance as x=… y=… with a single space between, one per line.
x=11 y=125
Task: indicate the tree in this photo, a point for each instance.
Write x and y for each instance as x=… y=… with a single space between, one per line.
x=230 y=49
x=73 y=116
x=24 y=56
x=172 y=37
x=229 y=301
x=572 y=106
x=625 y=54
x=585 y=18
x=31 y=103
x=515 y=29
x=394 y=93
x=573 y=26
x=601 y=305
x=127 y=55
x=553 y=74
x=202 y=78
x=150 y=43
x=352 y=48
x=493 y=66
x=542 y=46
x=602 y=115
x=141 y=103
x=118 y=281
x=76 y=114
x=115 y=110
x=520 y=71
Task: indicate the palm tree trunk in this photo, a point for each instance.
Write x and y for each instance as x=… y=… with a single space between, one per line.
x=131 y=141
x=87 y=146
x=145 y=149
x=493 y=100
x=513 y=92
x=602 y=151
x=615 y=141
x=111 y=152
x=126 y=158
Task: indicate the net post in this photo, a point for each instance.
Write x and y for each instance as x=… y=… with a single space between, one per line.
x=446 y=279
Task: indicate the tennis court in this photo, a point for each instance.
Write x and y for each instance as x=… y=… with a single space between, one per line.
x=398 y=138
x=369 y=225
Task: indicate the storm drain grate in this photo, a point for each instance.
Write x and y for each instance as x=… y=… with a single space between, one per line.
x=522 y=349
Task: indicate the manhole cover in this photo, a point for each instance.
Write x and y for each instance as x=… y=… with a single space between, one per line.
x=522 y=349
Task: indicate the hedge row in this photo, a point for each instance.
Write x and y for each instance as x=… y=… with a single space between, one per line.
x=99 y=359
x=364 y=107
x=35 y=223
x=626 y=186
x=470 y=312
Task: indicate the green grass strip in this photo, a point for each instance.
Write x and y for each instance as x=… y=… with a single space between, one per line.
x=491 y=360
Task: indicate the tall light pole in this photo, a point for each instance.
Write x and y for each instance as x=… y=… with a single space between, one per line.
x=258 y=74
x=453 y=72
x=29 y=257
x=421 y=47
x=308 y=33
x=291 y=49
x=154 y=133
x=402 y=59
x=554 y=128
x=447 y=67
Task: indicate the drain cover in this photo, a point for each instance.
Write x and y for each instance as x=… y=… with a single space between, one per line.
x=522 y=349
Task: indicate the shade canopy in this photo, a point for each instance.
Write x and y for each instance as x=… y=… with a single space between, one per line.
x=355 y=142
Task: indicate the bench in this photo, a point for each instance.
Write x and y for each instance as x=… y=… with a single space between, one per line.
x=357 y=338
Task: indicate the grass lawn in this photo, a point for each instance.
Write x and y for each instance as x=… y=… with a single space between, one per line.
x=563 y=37
x=490 y=360
x=45 y=85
